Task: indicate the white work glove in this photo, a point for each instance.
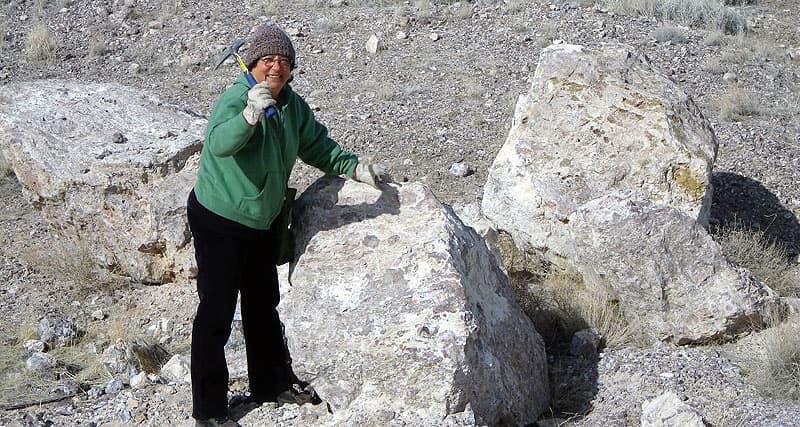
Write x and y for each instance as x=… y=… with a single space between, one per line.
x=372 y=174
x=259 y=99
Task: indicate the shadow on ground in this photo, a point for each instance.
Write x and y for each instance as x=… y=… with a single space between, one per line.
x=744 y=203
x=572 y=374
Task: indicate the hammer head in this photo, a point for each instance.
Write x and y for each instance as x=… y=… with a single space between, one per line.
x=232 y=50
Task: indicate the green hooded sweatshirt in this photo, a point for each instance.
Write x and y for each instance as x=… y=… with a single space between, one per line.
x=244 y=170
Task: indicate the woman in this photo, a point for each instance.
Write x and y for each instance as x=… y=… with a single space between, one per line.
x=244 y=169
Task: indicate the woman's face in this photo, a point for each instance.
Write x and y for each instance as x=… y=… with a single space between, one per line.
x=275 y=70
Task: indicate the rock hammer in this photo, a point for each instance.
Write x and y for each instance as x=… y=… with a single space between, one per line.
x=233 y=50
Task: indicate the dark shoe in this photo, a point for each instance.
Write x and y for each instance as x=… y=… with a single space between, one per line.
x=216 y=422
x=298 y=397
x=298 y=394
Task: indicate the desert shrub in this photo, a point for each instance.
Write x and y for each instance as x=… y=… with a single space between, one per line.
x=40 y=5
x=72 y=263
x=97 y=45
x=670 y=33
x=695 y=13
x=714 y=66
x=774 y=368
x=40 y=44
x=325 y=26
x=3 y=35
x=269 y=7
x=588 y=308
x=463 y=11
x=6 y=169
x=714 y=38
x=547 y=32
x=736 y=103
x=768 y=261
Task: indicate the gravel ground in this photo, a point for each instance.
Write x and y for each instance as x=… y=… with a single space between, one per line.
x=440 y=91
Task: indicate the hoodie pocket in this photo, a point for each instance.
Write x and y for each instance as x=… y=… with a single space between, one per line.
x=267 y=202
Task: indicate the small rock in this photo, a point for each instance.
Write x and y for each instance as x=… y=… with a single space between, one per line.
x=139 y=380
x=461 y=169
x=294 y=32
x=155 y=25
x=34 y=346
x=118 y=138
x=114 y=386
x=69 y=387
x=177 y=370
x=95 y=392
x=57 y=332
x=729 y=77
x=125 y=415
x=434 y=36
x=373 y=44
x=584 y=344
x=401 y=35
x=39 y=361
x=98 y=314
x=668 y=410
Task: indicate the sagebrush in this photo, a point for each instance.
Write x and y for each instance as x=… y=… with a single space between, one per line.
x=695 y=13
x=767 y=260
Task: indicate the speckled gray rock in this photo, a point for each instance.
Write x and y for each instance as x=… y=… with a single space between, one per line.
x=398 y=313
x=668 y=410
x=701 y=378
x=56 y=331
x=109 y=166
x=607 y=170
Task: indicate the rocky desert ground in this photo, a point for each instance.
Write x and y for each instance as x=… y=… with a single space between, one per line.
x=433 y=101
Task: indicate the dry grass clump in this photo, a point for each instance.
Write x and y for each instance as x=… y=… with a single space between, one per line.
x=774 y=368
x=326 y=26
x=559 y=303
x=72 y=262
x=670 y=33
x=580 y=307
x=40 y=44
x=695 y=13
x=97 y=45
x=736 y=104
x=3 y=35
x=40 y=5
x=6 y=169
x=768 y=261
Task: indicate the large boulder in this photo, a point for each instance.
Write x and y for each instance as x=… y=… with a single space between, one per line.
x=110 y=167
x=400 y=315
x=607 y=169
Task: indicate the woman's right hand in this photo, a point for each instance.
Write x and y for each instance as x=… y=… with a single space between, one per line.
x=258 y=100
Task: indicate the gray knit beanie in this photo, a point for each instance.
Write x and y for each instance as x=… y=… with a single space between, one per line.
x=268 y=39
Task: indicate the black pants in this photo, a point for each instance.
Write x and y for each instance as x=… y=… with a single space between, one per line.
x=231 y=259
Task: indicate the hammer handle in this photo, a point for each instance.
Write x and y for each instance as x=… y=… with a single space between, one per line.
x=252 y=81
